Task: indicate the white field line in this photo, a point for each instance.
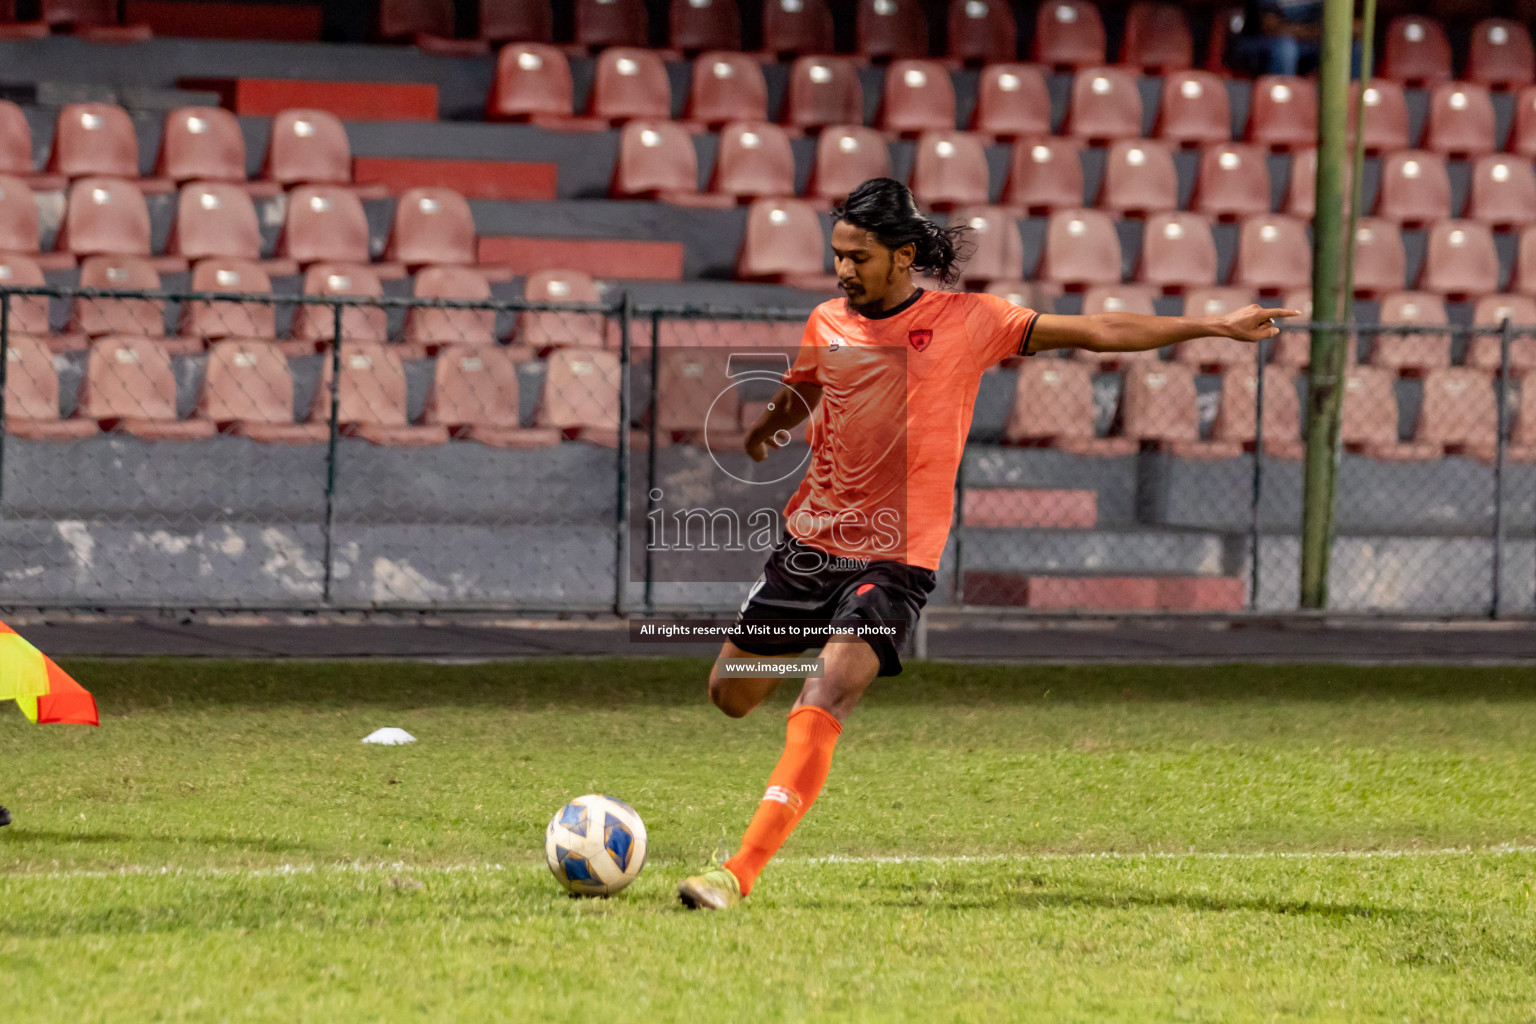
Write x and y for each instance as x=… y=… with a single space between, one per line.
x=482 y=868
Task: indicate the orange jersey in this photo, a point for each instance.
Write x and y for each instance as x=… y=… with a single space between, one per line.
x=886 y=439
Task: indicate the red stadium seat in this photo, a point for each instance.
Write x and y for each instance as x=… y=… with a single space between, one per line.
x=705 y=25
x=1522 y=134
x=215 y=219
x=656 y=160
x=1139 y=178
x=604 y=23
x=1213 y=302
x=1053 y=405
x=823 y=91
x=1500 y=54
x=1157 y=38
x=1294 y=347
x=414 y=20
x=1177 y=252
x=892 y=29
x=783 y=241
x=1411 y=351
x=1045 y=175
x=545 y=329
x=752 y=161
x=94 y=317
x=1237 y=414
x=1368 y=423
x=727 y=87
x=432 y=225
x=1122 y=298
x=1158 y=405
x=516 y=21
x=1069 y=34
x=1415 y=188
x=796 y=27
x=693 y=395
x=1460 y=260
x=1485 y=351
x=29 y=313
x=15 y=141
x=1301 y=191
x=308 y=147
x=999 y=254
x=429 y=328
x=919 y=97
x=1273 y=254
x=1106 y=104
x=1022 y=293
x=581 y=395
x=18 y=216
x=1461 y=120
x=1386 y=115
x=475 y=395
x=210 y=320
x=1380 y=262
x=1195 y=109
x=248 y=391
x=1417 y=52
x=846 y=158
x=104 y=215
x=1459 y=413
x=1503 y=191
x=1233 y=181
x=949 y=169
x=1524 y=278
x=32 y=394
x=314 y=326
x=1283 y=112
x=130 y=386
x=324 y=222
x=630 y=83
x=371 y=398
x=201 y=144
x=94 y=139
x=1012 y=102
x=1081 y=248
x=982 y=31
x=533 y=82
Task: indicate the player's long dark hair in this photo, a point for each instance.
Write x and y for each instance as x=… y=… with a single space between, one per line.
x=885 y=207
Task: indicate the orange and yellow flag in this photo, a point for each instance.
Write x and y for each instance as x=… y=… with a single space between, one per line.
x=45 y=692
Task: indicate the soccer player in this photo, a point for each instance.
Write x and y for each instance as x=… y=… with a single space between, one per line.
x=891 y=372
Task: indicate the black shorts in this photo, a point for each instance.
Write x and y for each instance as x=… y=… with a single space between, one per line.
x=811 y=587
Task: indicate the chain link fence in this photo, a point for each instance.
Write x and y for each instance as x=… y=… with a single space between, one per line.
x=218 y=449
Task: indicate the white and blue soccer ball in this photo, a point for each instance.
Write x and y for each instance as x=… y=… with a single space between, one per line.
x=595 y=846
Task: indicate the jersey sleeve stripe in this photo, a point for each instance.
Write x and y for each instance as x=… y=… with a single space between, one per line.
x=1029 y=329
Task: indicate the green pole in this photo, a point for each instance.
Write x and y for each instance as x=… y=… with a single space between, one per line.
x=1325 y=381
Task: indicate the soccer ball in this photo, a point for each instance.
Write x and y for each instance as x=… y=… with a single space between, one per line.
x=595 y=846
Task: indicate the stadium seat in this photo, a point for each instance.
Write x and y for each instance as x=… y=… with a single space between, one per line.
x=1522 y=434
x=581 y=395
x=892 y=29
x=1368 y=422
x=823 y=91
x=630 y=83
x=982 y=31
x=1399 y=352
x=783 y=241
x=1023 y=293
x=29 y=313
x=1293 y=348
x=429 y=328
x=104 y=215
x=32 y=394
x=1157 y=39
x=1503 y=191
x=1459 y=413
x=753 y=160
x=541 y=330
x=414 y=21
x=1117 y=298
x=1233 y=181
x=371 y=398
x=698 y=25
x=1522 y=133
x=1415 y=187
x=216 y=219
x=1081 y=248
x=1105 y=105
x=248 y=392
x=1053 y=406
x=693 y=395
x=431 y=225
x=949 y=169
x=1416 y=52
x=1139 y=178
x=209 y=320
x=1045 y=175
x=1500 y=54
x=1485 y=351
x=308 y=147
x=1195 y=109
x=1011 y=102
x=201 y=144
x=1238 y=411
x=131 y=387
x=1460 y=260
x=314 y=326
x=604 y=23
x=18 y=216
x=846 y=157
x=1461 y=120
x=1158 y=406
x=1211 y=302
x=474 y=395
x=1386 y=115
x=94 y=139
x=999 y=254
x=324 y=222
x=1069 y=34
x=1524 y=278
x=1177 y=252
x=16 y=144
x=516 y=21
x=533 y=83
x=918 y=97
x=727 y=87
x=656 y=161
x=796 y=27
x=1381 y=265
x=1283 y=112
x=1273 y=254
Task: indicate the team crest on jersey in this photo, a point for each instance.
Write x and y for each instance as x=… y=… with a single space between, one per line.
x=919 y=339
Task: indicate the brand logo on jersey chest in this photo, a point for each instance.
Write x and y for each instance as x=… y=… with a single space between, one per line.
x=919 y=339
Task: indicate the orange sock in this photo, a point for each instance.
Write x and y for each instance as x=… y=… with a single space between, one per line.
x=792 y=788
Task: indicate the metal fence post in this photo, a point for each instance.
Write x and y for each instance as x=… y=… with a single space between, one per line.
x=331 y=450
x=1258 y=478
x=1505 y=334
x=621 y=500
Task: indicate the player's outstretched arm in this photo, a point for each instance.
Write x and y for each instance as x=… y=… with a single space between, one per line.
x=791 y=404
x=1132 y=332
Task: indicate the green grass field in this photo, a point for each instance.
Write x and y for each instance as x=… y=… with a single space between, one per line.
x=1055 y=844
